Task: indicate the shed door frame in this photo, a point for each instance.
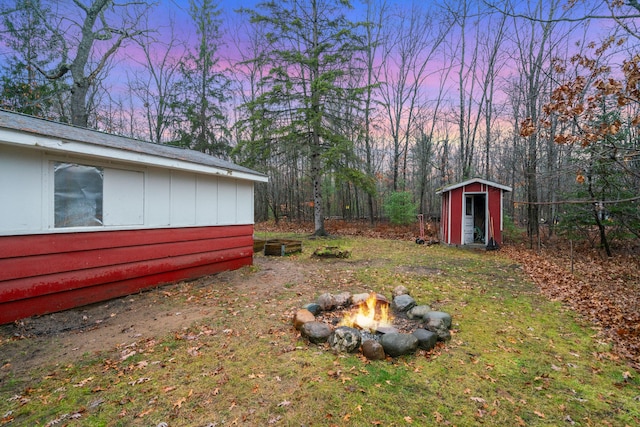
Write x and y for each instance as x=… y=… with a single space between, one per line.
x=468 y=221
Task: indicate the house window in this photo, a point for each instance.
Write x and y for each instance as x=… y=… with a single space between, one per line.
x=78 y=194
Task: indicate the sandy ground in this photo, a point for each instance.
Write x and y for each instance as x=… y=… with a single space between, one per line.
x=64 y=337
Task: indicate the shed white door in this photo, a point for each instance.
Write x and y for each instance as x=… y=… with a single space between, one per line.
x=468 y=220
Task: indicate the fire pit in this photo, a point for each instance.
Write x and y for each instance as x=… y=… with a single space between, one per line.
x=371 y=324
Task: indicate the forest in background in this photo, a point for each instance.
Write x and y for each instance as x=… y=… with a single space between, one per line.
x=356 y=109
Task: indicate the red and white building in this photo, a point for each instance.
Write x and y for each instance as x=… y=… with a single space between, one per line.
x=87 y=216
x=472 y=212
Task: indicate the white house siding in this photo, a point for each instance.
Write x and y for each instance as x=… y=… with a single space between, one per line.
x=183 y=199
x=123 y=197
x=133 y=196
x=207 y=200
x=157 y=200
x=21 y=201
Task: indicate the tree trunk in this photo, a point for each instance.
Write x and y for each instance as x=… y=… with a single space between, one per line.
x=318 y=209
x=604 y=242
x=79 y=113
x=532 y=190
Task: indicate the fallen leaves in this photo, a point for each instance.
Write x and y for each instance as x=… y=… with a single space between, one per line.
x=141 y=380
x=540 y=414
x=178 y=403
x=83 y=382
x=144 y=413
x=603 y=290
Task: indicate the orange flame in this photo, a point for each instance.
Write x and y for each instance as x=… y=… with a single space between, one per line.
x=370 y=315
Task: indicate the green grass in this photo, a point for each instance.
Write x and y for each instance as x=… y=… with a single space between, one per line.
x=514 y=358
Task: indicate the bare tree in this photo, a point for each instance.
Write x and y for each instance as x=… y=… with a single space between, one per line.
x=376 y=15
x=410 y=45
x=87 y=35
x=492 y=49
x=466 y=86
x=534 y=49
x=156 y=86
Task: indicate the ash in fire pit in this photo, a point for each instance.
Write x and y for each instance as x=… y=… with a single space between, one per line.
x=371 y=324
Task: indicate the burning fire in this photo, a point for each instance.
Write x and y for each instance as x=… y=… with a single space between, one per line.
x=370 y=315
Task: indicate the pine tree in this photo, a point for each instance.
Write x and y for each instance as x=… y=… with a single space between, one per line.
x=312 y=49
x=204 y=86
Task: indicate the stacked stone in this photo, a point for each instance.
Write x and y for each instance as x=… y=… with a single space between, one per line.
x=388 y=341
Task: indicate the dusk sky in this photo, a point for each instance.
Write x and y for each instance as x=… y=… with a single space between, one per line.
x=177 y=10
x=440 y=75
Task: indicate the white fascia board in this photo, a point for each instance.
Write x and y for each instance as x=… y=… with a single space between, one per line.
x=106 y=153
x=471 y=181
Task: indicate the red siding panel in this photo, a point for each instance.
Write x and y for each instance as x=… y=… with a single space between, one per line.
x=474 y=187
x=17 y=246
x=495 y=206
x=444 y=218
x=456 y=216
x=79 y=297
x=38 y=265
x=41 y=274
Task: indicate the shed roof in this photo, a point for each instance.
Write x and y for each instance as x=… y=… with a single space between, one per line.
x=66 y=138
x=473 y=181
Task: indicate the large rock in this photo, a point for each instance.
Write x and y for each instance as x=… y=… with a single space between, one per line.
x=316 y=332
x=400 y=290
x=438 y=327
x=343 y=299
x=301 y=317
x=366 y=336
x=327 y=302
x=418 y=312
x=313 y=308
x=357 y=299
x=445 y=317
x=395 y=344
x=426 y=339
x=403 y=303
x=387 y=330
x=345 y=339
x=372 y=350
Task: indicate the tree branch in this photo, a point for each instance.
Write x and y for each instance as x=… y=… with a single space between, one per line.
x=578 y=202
x=631 y=3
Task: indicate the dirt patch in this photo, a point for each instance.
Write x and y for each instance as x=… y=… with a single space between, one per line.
x=64 y=337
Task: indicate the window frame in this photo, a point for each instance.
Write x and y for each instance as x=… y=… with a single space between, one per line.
x=91 y=197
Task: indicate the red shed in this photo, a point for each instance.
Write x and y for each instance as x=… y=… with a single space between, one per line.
x=472 y=212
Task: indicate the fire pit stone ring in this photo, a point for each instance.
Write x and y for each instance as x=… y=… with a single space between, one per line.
x=369 y=323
